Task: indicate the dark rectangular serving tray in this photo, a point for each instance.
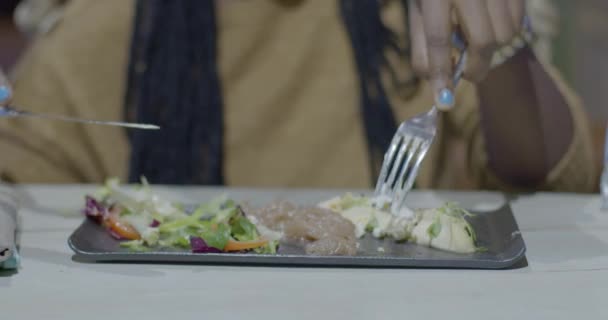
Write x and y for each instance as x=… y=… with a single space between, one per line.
x=497 y=231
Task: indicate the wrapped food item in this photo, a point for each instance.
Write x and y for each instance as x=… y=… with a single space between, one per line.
x=9 y=256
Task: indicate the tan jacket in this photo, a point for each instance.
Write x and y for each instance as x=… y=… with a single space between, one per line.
x=291 y=104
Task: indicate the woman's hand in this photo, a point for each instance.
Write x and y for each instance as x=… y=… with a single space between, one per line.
x=485 y=24
x=5 y=90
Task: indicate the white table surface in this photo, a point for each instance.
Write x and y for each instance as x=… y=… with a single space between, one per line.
x=567 y=277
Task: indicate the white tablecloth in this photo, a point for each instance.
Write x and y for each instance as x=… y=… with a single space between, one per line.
x=567 y=277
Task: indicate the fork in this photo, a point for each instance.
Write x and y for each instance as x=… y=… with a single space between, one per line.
x=409 y=147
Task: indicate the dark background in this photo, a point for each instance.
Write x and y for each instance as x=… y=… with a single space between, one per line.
x=11 y=42
x=7 y=5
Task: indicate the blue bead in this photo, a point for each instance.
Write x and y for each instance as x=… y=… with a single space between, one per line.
x=446 y=97
x=5 y=93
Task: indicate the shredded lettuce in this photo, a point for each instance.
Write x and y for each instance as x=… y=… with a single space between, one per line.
x=163 y=224
x=454 y=210
x=270 y=248
x=244 y=230
x=176 y=240
x=224 y=215
x=216 y=237
x=151 y=236
x=178 y=224
x=435 y=228
x=135 y=245
x=142 y=199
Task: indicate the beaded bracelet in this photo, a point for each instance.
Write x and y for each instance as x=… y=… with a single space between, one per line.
x=522 y=40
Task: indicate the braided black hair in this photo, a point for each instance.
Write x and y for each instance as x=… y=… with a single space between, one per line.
x=372 y=41
x=173 y=81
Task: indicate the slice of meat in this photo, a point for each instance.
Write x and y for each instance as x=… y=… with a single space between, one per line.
x=333 y=246
x=325 y=232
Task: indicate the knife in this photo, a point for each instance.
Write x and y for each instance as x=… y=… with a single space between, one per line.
x=8 y=111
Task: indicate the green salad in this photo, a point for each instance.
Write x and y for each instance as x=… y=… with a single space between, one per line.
x=143 y=220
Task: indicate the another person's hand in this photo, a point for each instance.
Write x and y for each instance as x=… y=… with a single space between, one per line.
x=485 y=24
x=5 y=89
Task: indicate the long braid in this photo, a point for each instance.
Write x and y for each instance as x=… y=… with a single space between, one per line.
x=371 y=41
x=173 y=81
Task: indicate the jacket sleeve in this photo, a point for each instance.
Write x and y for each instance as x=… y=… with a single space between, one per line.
x=74 y=70
x=32 y=149
x=575 y=172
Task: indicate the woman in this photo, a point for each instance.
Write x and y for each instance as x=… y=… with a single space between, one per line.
x=291 y=93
